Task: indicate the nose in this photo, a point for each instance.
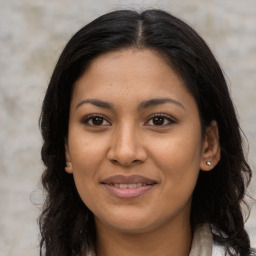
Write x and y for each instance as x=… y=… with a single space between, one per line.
x=127 y=147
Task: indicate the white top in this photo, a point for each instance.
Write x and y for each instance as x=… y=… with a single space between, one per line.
x=204 y=245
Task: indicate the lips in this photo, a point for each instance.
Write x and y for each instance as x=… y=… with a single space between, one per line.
x=133 y=185
x=133 y=179
x=128 y=186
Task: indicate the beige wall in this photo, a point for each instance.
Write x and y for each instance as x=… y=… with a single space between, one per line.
x=32 y=35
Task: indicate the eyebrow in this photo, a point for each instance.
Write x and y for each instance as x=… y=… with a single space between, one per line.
x=142 y=105
x=155 y=102
x=96 y=102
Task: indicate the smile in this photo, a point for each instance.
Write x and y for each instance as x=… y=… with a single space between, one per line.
x=128 y=187
x=134 y=185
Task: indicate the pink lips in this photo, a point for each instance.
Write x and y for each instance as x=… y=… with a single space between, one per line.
x=128 y=186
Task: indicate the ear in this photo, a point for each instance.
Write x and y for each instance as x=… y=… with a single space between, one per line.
x=68 y=167
x=211 y=148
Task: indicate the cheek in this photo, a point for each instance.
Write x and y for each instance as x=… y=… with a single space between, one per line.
x=85 y=172
x=87 y=156
x=179 y=159
x=178 y=151
x=87 y=152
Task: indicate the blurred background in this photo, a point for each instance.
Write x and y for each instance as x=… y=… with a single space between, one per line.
x=33 y=34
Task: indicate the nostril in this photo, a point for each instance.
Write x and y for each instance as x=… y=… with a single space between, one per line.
x=123 y=163
x=125 y=155
x=114 y=161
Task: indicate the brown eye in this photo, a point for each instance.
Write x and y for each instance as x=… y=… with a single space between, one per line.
x=160 y=120
x=95 y=120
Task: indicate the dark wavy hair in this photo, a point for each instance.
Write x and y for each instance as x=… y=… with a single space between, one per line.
x=66 y=224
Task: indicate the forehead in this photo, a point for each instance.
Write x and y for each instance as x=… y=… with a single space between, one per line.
x=137 y=59
x=130 y=74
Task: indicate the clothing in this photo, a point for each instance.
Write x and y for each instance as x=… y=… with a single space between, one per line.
x=204 y=245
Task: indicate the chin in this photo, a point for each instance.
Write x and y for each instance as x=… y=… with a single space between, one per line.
x=129 y=223
x=132 y=227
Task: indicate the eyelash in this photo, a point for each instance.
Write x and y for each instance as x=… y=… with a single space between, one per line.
x=166 y=117
x=89 y=118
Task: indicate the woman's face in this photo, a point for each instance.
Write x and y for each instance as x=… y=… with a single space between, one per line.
x=134 y=144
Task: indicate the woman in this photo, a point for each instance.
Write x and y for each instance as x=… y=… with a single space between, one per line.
x=142 y=146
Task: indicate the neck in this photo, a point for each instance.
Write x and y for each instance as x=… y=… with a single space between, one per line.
x=170 y=240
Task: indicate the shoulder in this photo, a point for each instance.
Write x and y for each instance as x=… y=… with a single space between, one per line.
x=253 y=252
x=219 y=250
x=204 y=244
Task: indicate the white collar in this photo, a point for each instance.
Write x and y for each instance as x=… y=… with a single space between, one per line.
x=202 y=243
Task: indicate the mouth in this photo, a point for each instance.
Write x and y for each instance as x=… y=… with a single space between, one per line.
x=127 y=187
x=133 y=185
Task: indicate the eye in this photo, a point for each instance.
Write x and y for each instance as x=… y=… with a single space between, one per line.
x=160 y=120
x=95 y=120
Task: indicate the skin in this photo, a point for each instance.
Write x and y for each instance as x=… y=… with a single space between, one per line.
x=127 y=140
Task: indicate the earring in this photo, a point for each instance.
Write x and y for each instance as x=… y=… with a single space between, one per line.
x=68 y=165
x=208 y=163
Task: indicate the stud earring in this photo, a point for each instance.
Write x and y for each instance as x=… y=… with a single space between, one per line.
x=208 y=163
